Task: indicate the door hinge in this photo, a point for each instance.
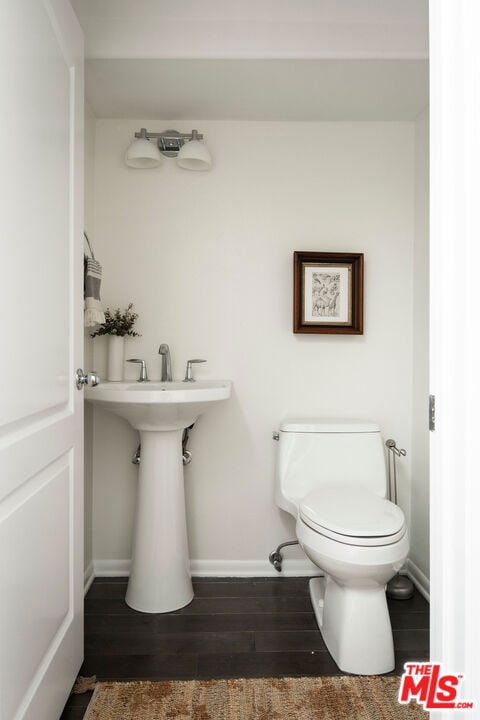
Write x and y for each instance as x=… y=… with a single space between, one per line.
x=431 y=412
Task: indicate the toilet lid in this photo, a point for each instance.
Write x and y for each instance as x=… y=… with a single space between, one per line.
x=353 y=512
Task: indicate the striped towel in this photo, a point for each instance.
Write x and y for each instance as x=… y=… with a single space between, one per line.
x=93 y=314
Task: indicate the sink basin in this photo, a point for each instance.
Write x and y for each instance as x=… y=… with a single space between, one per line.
x=160 y=578
x=159 y=405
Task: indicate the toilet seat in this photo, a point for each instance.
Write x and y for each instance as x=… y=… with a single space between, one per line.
x=353 y=516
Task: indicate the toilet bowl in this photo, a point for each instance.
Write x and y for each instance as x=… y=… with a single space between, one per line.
x=350 y=604
x=349 y=530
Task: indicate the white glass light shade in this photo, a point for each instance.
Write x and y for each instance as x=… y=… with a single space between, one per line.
x=143 y=154
x=194 y=155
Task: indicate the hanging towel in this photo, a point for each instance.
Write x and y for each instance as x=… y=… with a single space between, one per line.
x=93 y=314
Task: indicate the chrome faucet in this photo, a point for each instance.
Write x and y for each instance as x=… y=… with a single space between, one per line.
x=164 y=351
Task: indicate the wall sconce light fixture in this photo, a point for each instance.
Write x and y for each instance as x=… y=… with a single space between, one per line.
x=189 y=149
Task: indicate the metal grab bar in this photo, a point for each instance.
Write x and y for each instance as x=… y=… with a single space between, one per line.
x=392 y=467
x=392 y=445
x=400 y=587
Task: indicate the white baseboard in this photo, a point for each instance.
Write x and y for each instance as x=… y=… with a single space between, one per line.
x=243 y=568
x=219 y=568
x=88 y=577
x=111 y=568
x=421 y=581
x=252 y=568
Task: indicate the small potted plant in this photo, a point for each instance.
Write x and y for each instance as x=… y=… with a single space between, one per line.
x=118 y=324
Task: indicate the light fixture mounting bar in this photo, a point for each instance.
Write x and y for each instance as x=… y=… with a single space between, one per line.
x=169 y=141
x=168 y=134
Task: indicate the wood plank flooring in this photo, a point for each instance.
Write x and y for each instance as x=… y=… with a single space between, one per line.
x=234 y=627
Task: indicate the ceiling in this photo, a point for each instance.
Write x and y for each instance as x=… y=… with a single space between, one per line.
x=256 y=59
x=284 y=90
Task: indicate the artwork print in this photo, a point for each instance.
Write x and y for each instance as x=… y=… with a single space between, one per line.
x=325 y=294
x=328 y=293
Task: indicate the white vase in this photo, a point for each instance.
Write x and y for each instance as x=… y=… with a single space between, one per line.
x=116 y=358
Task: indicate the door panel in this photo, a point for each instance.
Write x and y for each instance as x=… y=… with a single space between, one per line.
x=41 y=412
x=36 y=212
x=37 y=598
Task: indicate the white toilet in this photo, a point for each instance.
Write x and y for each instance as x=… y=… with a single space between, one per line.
x=331 y=476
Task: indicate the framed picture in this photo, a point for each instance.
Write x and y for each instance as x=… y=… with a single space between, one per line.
x=328 y=293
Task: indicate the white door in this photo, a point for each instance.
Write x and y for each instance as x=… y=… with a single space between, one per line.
x=454 y=343
x=41 y=411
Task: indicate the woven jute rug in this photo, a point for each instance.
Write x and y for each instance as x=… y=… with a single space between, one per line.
x=322 y=698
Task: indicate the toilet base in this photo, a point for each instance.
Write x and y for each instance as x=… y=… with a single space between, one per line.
x=355 y=625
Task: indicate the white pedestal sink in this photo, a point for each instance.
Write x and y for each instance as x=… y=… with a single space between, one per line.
x=160 y=572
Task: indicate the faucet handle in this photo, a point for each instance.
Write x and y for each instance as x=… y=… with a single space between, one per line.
x=143 y=370
x=188 y=372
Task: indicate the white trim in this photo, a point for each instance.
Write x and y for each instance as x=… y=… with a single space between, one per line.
x=419 y=579
x=111 y=568
x=252 y=568
x=454 y=377
x=218 y=568
x=242 y=568
x=88 y=577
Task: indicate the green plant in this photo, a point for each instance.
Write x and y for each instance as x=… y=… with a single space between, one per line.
x=118 y=323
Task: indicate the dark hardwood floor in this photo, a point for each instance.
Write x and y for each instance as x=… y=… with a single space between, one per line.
x=234 y=627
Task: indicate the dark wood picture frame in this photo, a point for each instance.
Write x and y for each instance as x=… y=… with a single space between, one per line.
x=328 y=293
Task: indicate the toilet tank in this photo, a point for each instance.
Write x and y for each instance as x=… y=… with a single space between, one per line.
x=315 y=452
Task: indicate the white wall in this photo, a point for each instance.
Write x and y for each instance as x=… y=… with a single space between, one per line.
x=207 y=260
x=420 y=548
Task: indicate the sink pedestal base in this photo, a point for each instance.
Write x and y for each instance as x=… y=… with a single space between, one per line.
x=160 y=578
